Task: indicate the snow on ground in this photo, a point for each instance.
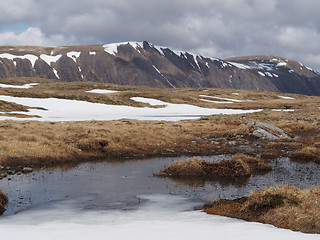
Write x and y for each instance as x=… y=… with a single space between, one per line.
x=157 y=69
x=74 y=110
x=74 y=55
x=50 y=59
x=283 y=110
x=158 y=217
x=30 y=57
x=262 y=74
x=25 y=86
x=113 y=47
x=220 y=98
x=55 y=72
x=212 y=101
x=240 y=65
x=93 y=53
x=101 y=91
x=150 y=101
x=288 y=98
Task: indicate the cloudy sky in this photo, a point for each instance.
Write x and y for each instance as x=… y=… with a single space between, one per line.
x=215 y=28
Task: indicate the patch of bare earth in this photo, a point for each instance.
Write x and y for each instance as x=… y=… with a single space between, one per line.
x=285 y=207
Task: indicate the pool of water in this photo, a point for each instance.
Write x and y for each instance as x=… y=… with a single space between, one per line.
x=122 y=200
x=118 y=184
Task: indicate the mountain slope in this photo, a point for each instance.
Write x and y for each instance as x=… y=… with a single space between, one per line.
x=137 y=63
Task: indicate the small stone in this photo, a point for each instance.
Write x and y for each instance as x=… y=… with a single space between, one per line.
x=232 y=143
x=27 y=170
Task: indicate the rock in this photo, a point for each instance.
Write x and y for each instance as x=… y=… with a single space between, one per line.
x=27 y=170
x=266 y=131
x=232 y=143
x=3 y=174
x=10 y=172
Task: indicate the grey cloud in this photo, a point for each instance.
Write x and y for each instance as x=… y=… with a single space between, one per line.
x=289 y=28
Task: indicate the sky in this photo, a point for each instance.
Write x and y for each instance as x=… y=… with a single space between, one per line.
x=213 y=28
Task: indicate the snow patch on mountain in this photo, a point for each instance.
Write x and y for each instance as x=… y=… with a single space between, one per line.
x=30 y=57
x=113 y=47
x=50 y=59
x=240 y=65
x=74 y=55
x=55 y=72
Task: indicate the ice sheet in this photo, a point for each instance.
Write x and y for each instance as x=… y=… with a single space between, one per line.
x=159 y=217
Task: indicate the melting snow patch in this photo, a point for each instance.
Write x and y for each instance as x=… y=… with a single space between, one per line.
x=55 y=73
x=220 y=98
x=93 y=53
x=25 y=86
x=74 y=55
x=212 y=101
x=31 y=58
x=262 y=66
x=74 y=110
x=282 y=110
x=281 y=64
x=102 y=91
x=157 y=69
x=150 y=101
x=268 y=74
x=288 y=98
x=50 y=59
x=113 y=47
x=310 y=69
x=261 y=73
x=240 y=65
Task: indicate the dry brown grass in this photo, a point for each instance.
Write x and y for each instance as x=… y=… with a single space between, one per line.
x=3 y=202
x=76 y=90
x=307 y=154
x=240 y=166
x=284 y=207
x=45 y=143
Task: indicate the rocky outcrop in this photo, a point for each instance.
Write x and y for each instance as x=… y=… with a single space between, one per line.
x=266 y=131
x=133 y=63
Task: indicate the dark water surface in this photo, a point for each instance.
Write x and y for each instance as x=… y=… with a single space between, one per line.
x=117 y=185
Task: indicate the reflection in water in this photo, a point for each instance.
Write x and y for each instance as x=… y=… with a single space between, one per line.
x=116 y=185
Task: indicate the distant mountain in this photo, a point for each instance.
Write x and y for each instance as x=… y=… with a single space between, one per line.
x=143 y=64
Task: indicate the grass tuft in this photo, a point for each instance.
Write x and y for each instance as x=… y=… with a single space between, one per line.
x=3 y=202
x=240 y=166
x=285 y=207
x=307 y=154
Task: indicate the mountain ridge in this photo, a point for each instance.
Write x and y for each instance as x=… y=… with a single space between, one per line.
x=144 y=64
